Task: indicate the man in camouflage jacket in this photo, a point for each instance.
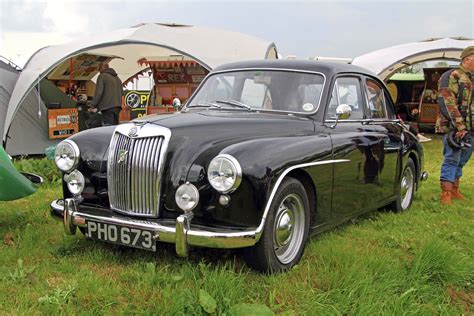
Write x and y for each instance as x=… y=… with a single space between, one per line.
x=454 y=100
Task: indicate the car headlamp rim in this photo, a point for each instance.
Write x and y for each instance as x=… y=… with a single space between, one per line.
x=237 y=169
x=76 y=151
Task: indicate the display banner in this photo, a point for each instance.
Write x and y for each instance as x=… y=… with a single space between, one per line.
x=62 y=123
x=136 y=101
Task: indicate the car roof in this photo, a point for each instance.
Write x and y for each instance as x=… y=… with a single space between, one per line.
x=327 y=68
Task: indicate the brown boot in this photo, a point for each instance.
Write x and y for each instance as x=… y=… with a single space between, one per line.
x=446 y=192
x=456 y=194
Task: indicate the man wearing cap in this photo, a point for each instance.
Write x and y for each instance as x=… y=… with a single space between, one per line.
x=454 y=100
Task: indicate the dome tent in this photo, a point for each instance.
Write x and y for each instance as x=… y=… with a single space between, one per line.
x=8 y=77
x=207 y=46
x=387 y=61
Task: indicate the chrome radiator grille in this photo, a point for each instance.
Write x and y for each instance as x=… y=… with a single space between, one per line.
x=134 y=174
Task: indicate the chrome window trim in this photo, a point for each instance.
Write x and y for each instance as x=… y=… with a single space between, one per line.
x=336 y=86
x=144 y=130
x=260 y=227
x=267 y=69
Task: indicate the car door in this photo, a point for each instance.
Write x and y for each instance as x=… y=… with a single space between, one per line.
x=387 y=129
x=353 y=144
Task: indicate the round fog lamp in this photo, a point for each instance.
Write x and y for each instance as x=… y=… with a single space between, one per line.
x=66 y=155
x=75 y=182
x=187 y=197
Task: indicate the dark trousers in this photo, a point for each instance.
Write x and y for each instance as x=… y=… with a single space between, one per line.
x=111 y=116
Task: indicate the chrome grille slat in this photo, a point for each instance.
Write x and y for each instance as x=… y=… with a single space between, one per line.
x=147 y=172
x=153 y=194
x=134 y=183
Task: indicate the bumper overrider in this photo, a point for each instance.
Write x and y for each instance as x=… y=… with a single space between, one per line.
x=180 y=232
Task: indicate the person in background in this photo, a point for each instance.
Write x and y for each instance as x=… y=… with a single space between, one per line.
x=454 y=100
x=176 y=103
x=108 y=95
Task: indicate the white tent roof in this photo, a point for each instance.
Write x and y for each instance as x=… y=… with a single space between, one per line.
x=210 y=47
x=387 y=61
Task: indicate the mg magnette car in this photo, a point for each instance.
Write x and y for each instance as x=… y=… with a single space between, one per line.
x=264 y=154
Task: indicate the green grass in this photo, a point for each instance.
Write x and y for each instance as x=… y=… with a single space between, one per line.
x=418 y=262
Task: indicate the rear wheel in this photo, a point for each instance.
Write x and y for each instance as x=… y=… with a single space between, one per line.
x=286 y=230
x=406 y=188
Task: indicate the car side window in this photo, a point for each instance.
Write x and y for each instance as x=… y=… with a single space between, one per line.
x=390 y=107
x=376 y=102
x=346 y=90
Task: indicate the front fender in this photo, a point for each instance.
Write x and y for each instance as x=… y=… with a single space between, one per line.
x=264 y=162
x=13 y=185
x=93 y=147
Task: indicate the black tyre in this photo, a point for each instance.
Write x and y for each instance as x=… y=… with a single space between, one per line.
x=406 y=188
x=286 y=230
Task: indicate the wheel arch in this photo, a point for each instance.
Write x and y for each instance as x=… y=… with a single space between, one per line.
x=414 y=158
x=305 y=179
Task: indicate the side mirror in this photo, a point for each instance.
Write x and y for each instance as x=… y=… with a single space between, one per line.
x=35 y=179
x=343 y=112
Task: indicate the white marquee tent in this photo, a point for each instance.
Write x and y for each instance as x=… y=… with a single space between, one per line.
x=209 y=47
x=8 y=77
x=385 y=62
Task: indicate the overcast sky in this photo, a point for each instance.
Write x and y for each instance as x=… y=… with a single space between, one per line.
x=301 y=28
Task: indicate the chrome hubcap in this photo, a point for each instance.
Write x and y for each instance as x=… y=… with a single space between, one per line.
x=284 y=227
x=406 y=187
x=288 y=230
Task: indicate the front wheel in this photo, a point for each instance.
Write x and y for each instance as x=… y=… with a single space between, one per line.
x=286 y=230
x=406 y=188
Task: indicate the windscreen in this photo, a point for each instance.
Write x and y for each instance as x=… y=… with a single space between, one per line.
x=271 y=90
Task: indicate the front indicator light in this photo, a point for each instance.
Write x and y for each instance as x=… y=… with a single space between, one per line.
x=75 y=182
x=187 y=197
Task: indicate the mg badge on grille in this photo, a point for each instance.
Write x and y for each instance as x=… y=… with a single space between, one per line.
x=122 y=155
x=133 y=132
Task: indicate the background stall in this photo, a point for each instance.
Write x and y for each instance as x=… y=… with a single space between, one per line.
x=416 y=94
x=206 y=47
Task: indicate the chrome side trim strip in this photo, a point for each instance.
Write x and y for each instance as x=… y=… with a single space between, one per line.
x=258 y=232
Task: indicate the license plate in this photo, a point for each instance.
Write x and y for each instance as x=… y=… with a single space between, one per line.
x=122 y=235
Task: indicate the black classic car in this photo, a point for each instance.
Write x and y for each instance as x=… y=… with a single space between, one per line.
x=263 y=154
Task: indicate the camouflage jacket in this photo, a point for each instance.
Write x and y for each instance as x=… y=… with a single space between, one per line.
x=454 y=97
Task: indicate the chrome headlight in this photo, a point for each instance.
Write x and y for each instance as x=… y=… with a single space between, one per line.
x=75 y=182
x=66 y=155
x=187 y=197
x=224 y=173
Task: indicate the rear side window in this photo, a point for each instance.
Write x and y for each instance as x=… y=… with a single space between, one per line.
x=376 y=102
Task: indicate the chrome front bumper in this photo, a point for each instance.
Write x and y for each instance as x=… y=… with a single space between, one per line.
x=181 y=232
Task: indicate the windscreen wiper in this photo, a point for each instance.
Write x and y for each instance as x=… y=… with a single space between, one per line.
x=204 y=105
x=235 y=103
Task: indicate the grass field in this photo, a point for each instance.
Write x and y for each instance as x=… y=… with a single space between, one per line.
x=418 y=262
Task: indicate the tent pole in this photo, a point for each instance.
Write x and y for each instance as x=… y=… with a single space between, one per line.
x=39 y=97
x=70 y=76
